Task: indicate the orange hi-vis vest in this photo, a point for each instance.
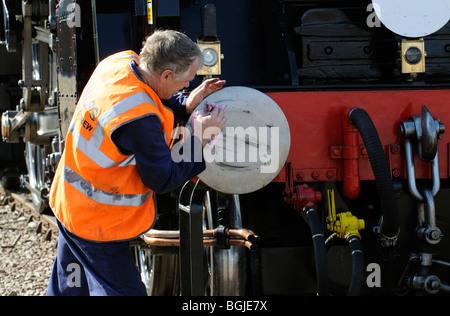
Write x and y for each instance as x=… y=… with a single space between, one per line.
x=97 y=192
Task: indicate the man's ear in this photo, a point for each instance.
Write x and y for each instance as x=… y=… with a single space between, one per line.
x=166 y=74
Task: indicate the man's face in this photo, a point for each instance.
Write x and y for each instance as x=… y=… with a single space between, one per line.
x=171 y=85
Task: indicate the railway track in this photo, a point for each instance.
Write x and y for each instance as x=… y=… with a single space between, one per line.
x=45 y=224
x=27 y=246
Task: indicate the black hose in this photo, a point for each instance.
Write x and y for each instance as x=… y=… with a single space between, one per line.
x=357 y=266
x=323 y=286
x=361 y=120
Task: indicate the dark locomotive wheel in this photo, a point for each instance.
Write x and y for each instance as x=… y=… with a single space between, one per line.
x=225 y=268
x=159 y=272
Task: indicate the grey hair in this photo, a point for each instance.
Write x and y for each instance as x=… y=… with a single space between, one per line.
x=169 y=50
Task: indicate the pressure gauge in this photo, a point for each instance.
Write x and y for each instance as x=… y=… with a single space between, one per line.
x=413 y=55
x=210 y=57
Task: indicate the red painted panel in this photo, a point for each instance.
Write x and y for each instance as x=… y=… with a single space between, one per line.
x=316 y=123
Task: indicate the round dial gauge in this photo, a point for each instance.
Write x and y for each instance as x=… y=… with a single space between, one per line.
x=413 y=55
x=210 y=57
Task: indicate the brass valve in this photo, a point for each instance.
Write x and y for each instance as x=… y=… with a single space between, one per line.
x=344 y=224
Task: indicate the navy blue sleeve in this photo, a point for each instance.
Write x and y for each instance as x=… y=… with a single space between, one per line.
x=177 y=103
x=157 y=169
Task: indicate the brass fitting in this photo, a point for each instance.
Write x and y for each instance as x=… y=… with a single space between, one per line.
x=344 y=224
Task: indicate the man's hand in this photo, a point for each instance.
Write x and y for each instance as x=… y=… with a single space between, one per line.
x=207 y=126
x=202 y=91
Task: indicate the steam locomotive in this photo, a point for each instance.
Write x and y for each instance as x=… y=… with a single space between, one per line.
x=360 y=205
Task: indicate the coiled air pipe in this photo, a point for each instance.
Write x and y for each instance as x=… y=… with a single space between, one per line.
x=390 y=224
x=357 y=266
x=323 y=286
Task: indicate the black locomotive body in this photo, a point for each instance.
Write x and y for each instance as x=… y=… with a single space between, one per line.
x=311 y=57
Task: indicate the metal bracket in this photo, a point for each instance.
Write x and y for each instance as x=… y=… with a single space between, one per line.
x=191 y=241
x=425 y=131
x=427 y=229
x=221 y=237
x=210 y=44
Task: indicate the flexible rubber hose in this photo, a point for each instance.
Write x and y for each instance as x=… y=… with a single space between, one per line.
x=361 y=120
x=357 y=267
x=323 y=286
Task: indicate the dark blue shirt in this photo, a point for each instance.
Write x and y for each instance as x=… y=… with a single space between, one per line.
x=144 y=138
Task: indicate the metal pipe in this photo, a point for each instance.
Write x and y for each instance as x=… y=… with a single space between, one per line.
x=168 y=242
x=207 y=233
x=95 y=31
x=445 y=287
x=351 y=155
x=444 y=263
x=232 y=242
x=245 y=243
x=175 y=242
x=244 y=233
x=153 y=233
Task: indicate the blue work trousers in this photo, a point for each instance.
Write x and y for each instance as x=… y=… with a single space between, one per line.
x=84 y=268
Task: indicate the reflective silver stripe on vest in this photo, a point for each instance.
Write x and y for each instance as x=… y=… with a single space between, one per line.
x=102 y=197
x=130 y=161
x=91 y=148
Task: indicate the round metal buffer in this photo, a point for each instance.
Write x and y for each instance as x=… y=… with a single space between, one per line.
x=253 y=146
x=413 y=18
